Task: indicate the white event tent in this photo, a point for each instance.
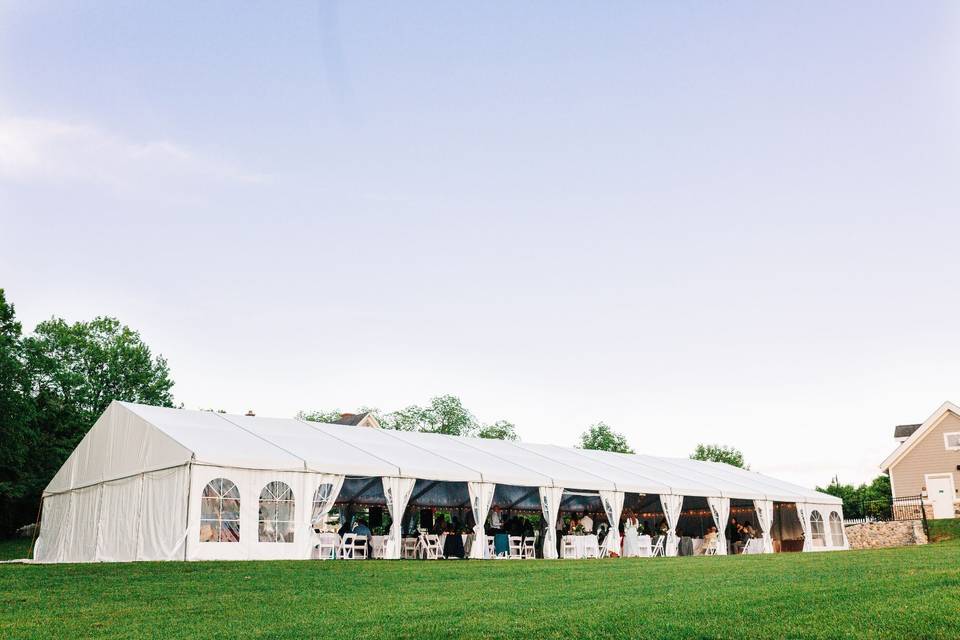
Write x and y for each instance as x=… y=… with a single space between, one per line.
x=153 y=483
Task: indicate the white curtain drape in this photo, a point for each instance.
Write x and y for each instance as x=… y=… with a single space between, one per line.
x=550 y=498
x=613 y=505
x=720 y=508
x=481 y=497
x=803 y=513
x=764 y=509
x=326 y=493
x=397 y=492
x=671 y=512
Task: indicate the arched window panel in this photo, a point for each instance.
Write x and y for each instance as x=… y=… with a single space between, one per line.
x=277 y=513
x=836 y=529
x=220 y=512
x=816 y=528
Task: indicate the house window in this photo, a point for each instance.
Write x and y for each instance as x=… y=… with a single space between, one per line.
x=952 y=441
x=276 y=513
x=836 y=530
x=816 y=528
x=220 y=512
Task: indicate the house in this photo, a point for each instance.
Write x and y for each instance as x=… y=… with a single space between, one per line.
x=365 y=419
x=926 y=462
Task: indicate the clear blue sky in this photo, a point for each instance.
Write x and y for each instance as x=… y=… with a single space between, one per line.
x=724 y=222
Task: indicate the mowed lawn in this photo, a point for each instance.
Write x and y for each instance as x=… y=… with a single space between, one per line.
x=894 y=593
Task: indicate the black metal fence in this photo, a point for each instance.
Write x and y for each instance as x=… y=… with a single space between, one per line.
x=900 y=508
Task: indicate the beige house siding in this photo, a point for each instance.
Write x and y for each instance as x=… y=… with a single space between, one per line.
x=929 y=455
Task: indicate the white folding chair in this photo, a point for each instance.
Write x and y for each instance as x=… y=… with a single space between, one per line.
x=491 y=548
x=327 y=546
x=515 y=547
x=568 y=550
x=359 y=551
x=658 y=547
x=753 y=546
x=409 y=547
x=346 y=546
x=529 y=548
x=710 y=548
x=430 y=547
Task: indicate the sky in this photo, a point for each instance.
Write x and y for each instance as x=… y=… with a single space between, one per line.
x=730 y=222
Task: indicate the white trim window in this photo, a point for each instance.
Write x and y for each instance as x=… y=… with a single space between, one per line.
x=816 y=529
x=952 y=441
x=836 y=529
x=276 y=523
x=220 y=512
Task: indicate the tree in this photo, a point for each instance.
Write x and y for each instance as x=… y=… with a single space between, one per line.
x=602 y=438
x=719 y=453
x=445 y=414
x=499 y=430
x=16 y=415
x=866 y=500
x=320 y=415
x=76 y=371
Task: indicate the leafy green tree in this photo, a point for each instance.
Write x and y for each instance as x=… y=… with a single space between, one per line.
x=17 y=435
x=445 y=414
x=76 y=371
x=499 y=430
x=602 y=438
x=866 y=500
x=719 y=453
x=320 y=415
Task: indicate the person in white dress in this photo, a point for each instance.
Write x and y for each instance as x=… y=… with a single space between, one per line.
x=631 y=540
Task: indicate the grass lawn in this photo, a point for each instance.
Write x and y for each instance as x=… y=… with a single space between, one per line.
x=941 y=530
x=911 y=592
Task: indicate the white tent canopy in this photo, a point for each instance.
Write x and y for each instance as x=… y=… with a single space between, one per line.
x=175 y=453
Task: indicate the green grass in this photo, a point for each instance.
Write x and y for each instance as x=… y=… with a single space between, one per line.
x=911 y=592
x=941 y=530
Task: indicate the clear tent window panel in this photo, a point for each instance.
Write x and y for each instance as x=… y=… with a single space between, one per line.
x=816 y=528
x=836 y=529
x=276 y=522
x=220 y=512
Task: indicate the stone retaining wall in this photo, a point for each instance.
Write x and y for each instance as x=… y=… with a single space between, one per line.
x=874 y=535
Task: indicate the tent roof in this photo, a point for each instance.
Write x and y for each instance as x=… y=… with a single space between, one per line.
x=132 y=438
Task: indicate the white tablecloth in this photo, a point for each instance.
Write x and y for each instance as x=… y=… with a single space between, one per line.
x=581 y=544
x=646 y=546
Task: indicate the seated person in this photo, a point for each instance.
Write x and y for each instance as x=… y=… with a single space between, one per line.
x=587 y=523
x=361 y=529
x=439 y=525
x=748 y=528
x=496 y=522
x=741 y=540
x=345 y=528
x=663 y=527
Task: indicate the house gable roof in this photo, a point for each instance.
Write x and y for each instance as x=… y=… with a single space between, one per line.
x=918 y=434
x=905 y=430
